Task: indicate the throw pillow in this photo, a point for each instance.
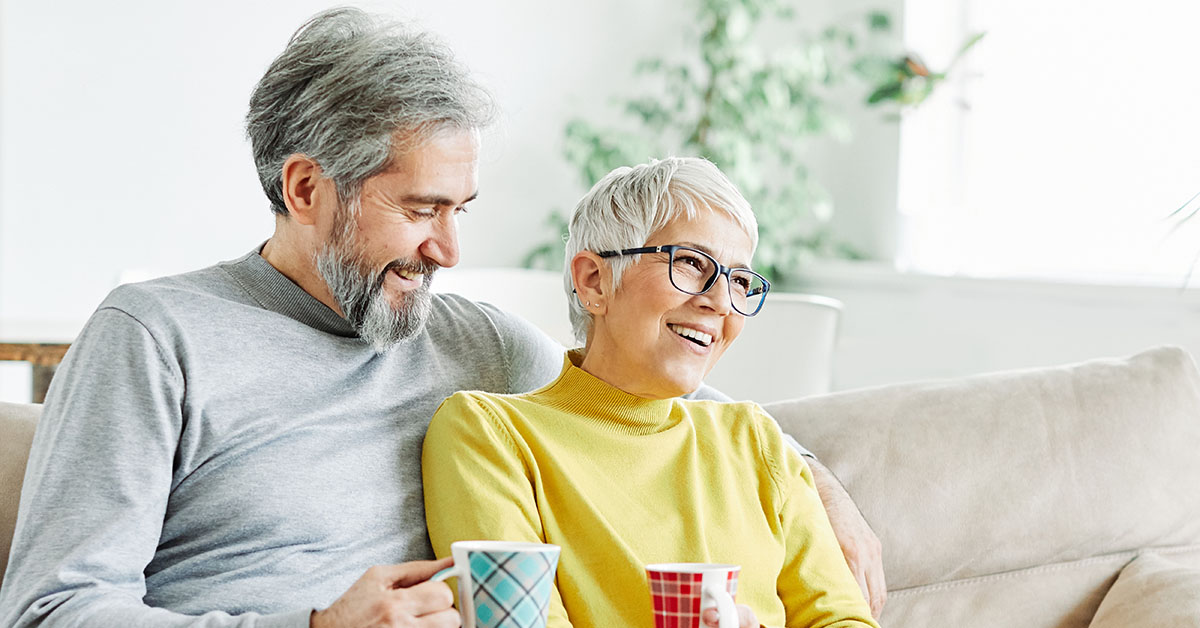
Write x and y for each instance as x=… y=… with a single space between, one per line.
x=1152 y=592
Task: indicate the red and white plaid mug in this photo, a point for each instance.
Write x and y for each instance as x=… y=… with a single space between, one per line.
x=682 y=591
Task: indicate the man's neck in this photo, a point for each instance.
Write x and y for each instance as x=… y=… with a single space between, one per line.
x=296 y=262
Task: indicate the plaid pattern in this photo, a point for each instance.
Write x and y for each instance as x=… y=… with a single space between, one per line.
x=677 y=596
x=512 y=589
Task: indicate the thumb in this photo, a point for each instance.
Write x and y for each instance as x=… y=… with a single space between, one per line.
x=412 y=573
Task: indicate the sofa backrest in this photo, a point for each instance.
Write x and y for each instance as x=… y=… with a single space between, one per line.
x=1015 y=498
x=17 y=423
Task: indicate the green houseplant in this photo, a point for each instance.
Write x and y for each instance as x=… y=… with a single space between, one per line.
x=751 y=109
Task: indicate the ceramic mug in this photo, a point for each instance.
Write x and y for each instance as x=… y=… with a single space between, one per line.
x=680 y=592
x=502 y=584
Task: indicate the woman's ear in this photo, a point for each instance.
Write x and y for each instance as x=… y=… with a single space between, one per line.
x=304 y=189
x=591 y=278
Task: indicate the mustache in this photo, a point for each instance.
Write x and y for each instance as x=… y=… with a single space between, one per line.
x=418 y=267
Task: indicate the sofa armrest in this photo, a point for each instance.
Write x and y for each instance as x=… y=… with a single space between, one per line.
x=17 y=424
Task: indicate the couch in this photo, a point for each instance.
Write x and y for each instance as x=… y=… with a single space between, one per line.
x=1022 y=498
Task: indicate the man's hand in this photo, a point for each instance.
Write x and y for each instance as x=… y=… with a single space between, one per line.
x=746 y=618
x=863 y=551
x=393 y=595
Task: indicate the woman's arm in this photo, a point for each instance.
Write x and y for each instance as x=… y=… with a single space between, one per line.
x=815 y=583
x=478 y=483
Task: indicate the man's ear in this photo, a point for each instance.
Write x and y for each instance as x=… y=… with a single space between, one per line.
x=591 y=278
x=304 y=188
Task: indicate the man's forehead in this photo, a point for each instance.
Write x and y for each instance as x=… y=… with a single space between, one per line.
x=441 y=170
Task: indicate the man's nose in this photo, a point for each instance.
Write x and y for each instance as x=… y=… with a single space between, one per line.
x=441 y=247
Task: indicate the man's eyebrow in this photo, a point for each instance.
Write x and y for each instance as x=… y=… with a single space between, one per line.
x=701 y=247
x=434 y=199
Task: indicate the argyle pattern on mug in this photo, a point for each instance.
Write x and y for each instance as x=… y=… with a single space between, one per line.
x=677 y=596
x=512 y=589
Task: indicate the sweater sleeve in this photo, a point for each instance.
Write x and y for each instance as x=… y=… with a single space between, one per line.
x=534 y=358
x=97 y=485
x=479 y=483
x=815 y=584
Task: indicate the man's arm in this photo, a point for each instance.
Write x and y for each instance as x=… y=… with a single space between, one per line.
x=860 y=546
x=96 y=487
x=96 y=491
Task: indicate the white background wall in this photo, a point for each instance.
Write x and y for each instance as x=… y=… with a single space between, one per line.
x=121 y=151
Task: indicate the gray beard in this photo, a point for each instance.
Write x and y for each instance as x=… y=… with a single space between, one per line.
x=358 y=291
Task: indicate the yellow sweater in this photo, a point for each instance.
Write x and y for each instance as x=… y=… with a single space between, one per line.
x=621 y=482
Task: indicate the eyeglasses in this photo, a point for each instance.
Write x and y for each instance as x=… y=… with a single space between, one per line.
x=696 y=272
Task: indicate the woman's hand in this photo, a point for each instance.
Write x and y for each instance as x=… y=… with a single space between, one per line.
x=746 y=618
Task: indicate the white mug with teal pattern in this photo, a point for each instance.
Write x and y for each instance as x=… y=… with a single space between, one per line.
x=502 y=584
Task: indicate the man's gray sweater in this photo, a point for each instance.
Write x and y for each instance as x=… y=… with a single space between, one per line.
x=223 y=445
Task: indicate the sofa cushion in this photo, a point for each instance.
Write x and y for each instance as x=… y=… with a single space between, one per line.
x=17 y=424
x=1152 y=592
x=1008 y=471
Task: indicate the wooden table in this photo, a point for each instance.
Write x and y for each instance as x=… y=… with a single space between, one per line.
x=42 y=356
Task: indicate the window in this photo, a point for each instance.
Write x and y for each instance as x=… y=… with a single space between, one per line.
x=1061 y=143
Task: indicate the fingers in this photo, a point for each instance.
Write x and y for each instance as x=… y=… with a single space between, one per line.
x=878 y=591
x=865 y=558
x=426 y=598
x=408 y=574
x=746 y=617
x=393 y=595
x=448 y=618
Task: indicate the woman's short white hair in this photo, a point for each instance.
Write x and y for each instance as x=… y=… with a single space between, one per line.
x=630 y=203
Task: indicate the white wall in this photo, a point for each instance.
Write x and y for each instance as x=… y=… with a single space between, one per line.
x=121 y=128
x=900 y=327
x=121 y=143
x=121 y=150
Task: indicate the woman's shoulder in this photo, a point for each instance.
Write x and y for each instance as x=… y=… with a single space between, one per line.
x=471 y=402
x=730 y=415
x=744 y=422
x=472 y=406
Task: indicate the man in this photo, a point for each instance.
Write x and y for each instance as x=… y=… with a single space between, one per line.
x=237 y=446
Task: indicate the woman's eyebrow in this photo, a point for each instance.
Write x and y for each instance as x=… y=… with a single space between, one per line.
x=701 y=247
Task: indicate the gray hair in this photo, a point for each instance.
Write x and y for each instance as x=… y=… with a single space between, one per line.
x=352 y=91
x=629 y=204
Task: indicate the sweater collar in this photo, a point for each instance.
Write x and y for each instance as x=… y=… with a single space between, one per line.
x=277 y=293
x=579 y=392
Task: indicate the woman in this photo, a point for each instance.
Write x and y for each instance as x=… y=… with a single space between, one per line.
x=607 y=461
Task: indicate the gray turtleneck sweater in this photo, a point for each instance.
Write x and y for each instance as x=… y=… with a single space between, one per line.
x=221 y=449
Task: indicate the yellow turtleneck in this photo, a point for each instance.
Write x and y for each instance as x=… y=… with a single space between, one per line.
x=621 y=482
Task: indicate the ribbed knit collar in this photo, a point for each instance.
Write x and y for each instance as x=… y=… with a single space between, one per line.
x=579 y=392
x=277 y=293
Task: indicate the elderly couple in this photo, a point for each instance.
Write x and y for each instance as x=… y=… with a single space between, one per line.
x=242 y=445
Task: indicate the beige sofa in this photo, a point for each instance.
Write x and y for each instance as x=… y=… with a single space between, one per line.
x=1009 y=499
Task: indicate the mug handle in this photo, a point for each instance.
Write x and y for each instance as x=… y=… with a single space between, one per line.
x=450 y=572
x=714 y=595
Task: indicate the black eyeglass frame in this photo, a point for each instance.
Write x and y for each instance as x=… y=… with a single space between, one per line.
x=709 y=283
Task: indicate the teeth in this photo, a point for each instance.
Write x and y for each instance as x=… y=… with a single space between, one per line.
x=408 y=274
x=698 y=336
